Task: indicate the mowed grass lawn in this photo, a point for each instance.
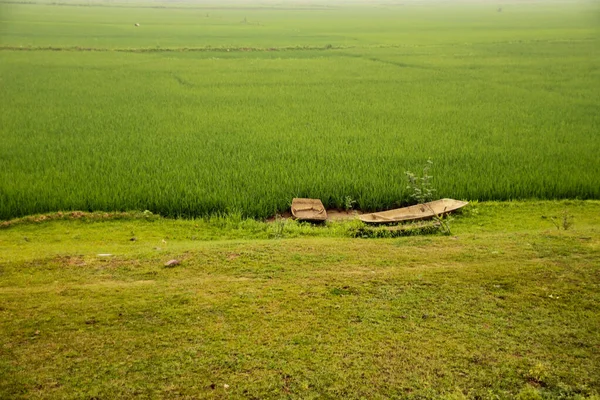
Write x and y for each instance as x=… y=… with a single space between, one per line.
x=508 y=305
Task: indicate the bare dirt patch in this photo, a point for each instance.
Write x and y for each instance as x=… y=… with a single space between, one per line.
x=332 y=215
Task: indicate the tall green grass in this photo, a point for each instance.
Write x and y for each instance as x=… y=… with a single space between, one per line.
x=506 y=107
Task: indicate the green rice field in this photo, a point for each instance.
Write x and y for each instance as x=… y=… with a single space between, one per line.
x=210 y=108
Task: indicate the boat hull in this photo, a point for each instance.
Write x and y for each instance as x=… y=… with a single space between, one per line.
x=414 y=213
x=308 y=210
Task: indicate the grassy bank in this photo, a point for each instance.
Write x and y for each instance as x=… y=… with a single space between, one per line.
x=505 y=306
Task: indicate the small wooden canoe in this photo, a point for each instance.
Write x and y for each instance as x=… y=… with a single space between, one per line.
x=308 y=210
x=413 y=213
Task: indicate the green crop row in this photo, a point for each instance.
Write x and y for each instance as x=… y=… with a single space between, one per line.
x=198 y=133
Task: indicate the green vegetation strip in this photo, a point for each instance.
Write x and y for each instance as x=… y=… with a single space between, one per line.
x=505 y=307
x=504 y=103
x=169 y=49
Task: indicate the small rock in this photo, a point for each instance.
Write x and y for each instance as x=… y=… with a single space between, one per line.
x=226 y=386
x=172 y=263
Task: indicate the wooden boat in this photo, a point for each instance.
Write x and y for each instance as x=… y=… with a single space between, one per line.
x=308 y=210
x=413 y=213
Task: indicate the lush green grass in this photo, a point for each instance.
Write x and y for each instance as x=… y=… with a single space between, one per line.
x=507 y=306
x=222 y=25
x=504 y=103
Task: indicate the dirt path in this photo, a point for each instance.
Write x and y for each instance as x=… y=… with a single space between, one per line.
x=332 y=215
